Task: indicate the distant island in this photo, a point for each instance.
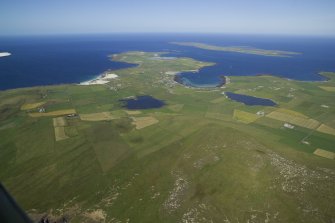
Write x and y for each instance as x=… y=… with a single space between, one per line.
x=239 y=49
x=5 y=54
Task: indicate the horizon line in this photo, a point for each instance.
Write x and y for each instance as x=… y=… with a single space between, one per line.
x=166 y=33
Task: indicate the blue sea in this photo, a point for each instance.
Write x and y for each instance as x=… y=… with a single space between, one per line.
x=48 y=60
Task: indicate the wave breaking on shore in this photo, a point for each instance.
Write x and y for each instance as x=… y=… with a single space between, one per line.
x=5 y=54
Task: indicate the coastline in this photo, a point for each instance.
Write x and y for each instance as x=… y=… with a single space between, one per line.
x=224 y=80
x=104 y=78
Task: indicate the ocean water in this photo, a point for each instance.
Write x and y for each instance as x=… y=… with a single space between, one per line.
x=48 y=60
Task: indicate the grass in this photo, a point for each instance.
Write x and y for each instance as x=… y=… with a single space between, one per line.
x=101 y=116
x=218 y=100
x=54 y=113
x=324 y=153
x=196 y=164
x=60 y=133
x=59 y=122
x=143 y=122
x=30 y=106
x=326 y=88
x=326 y=129
x=176 y=108
x=245 y=117
x=294 y=118
x=129 y=112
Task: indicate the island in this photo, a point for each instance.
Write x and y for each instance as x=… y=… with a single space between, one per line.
x=5 y=54
x=144 y=148
x=239 y=49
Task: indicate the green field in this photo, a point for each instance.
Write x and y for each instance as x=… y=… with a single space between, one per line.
x=200 y=158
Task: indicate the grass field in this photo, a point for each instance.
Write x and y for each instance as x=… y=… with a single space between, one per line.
x=245 y=117
x=133 y=112
x=326 y=129
x=53 y=113
x=142 y=122
x=176 y=108
x=218 y=100
x=294 y=118
x=59 y=122
x=328 y=88
x=200 y=158
x=60 y=133
x=32 y=105
x=324 y=153
x=101 y=116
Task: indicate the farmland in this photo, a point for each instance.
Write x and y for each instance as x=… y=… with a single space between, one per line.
x=199 y=158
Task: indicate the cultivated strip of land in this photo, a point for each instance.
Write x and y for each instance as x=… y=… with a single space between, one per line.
x=324 y=153
x=326 y=129
x=245 y=117
x=53 y=113
x=30 y=106
x=59 y=124
x=294 y=118
x=143 y=122
x=327 y=88
x=101 y=116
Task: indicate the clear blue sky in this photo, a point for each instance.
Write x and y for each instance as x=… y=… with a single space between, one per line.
x=297 y=17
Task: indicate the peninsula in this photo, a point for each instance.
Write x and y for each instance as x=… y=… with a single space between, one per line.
x=239 y=49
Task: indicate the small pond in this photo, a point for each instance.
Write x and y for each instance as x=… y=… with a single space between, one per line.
x=250 y=100
x=142 y=102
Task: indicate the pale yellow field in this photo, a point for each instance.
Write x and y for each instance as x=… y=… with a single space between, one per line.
x=324 y=153
x=326 y=129
x=60 y=133
x=133 y=112
x=245 y=117
x=331 y=89
x=59 y=122
x=94 y=117
x=32 y=105
x=142 y=122
x=54 y=113
x=176 y=108
x=291 y=112
x=294 y=118
x=218 y=100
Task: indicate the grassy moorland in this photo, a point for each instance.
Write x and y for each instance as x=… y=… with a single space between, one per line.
x=239 y=49
x=200 y=158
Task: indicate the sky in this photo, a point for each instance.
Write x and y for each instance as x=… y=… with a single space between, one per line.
x=287 y=17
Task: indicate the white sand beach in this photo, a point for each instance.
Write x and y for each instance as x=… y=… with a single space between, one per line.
x=102 y=79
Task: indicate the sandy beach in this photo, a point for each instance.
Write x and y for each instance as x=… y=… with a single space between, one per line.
x=5 y=54
x=102 y=79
